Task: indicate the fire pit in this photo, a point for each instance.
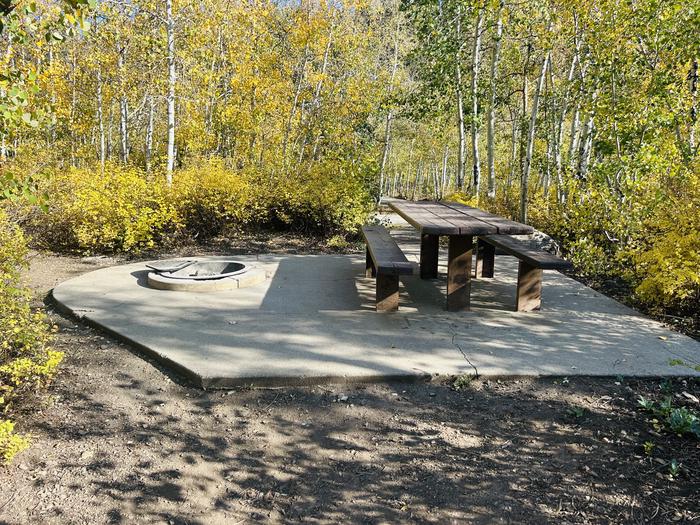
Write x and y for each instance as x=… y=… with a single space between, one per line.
x=203 y=276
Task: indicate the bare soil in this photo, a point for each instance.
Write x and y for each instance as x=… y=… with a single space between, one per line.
x=121 y=440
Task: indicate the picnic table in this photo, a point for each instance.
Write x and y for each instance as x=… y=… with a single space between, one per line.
x=460 y=223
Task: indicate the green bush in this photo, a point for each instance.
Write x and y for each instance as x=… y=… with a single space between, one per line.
x=27 y=361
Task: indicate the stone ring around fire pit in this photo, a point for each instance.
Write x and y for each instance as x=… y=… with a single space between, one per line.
x=203 y=276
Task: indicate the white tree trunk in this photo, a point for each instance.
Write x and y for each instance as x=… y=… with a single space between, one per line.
x=73 y=106
x=559 y=132
x=491 y=130
x=460 y=106
x=100 y=120
x=531 y=140
x=585 y=147
x=148 y=153
x=443 y=186
x=389 y=113
x=694 y=107
x=319 y=86
x=476 y=55
x=172 y=78
x=295 y=102
x=123 y=104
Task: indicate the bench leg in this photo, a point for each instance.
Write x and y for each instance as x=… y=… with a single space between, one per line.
x=370 y=270
x=529 y=294
x=429 y=247
x=459 y=272
x=387 y=292
x=485 y=257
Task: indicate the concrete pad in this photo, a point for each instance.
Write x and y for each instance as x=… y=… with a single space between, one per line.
x=313 y=321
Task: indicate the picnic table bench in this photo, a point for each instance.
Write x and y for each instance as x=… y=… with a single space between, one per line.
x=385 y=261
x=531 y=262
x=460 y=223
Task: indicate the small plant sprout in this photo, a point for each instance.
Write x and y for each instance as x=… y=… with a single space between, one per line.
x=463 y=381
x=645 y=403
x=681 y=421
x=649 y=448
x=674 y=468
x=576 y=412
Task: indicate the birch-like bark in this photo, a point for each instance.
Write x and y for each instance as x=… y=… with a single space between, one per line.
x=295 y=102
x=585 y=146
x=693 y=107
x=460 y=105
x=531 y=139
x=491 y=121
x=73 y=105
x=319 y=87
x=148 y=153
x=559 y=132
x=110 y=121
x=172 y=78
x=52 y=129
x=436 y=181
x=515 y=119
x=476 y=56
x=123 y=104
x=525 y=111
x=100 y=120
x=444 y=171
x=389 y=113
x=586 y=141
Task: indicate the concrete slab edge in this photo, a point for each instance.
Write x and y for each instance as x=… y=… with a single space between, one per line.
x=222 y=383
x=183 y=372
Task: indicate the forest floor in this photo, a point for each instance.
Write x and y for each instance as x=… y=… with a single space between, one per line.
x=121 y=440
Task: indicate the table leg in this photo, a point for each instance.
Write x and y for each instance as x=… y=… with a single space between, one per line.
x=529 y=292
x=429 y=247
x=485 y=255
x=387 y=292
x=459 y=272
x=370 y=270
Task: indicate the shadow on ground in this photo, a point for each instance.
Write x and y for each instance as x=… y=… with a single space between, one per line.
x=534 y=451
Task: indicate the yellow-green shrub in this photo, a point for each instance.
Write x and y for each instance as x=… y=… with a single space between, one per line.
x=670 y=263
x=331 y=197
x=210 y=197
x=10 y=442
x=118 y=210
x=27 y=362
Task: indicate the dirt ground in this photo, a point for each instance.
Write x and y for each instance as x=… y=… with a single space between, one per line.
x=121 y=440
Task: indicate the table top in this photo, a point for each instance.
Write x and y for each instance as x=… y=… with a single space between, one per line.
x=451 y=218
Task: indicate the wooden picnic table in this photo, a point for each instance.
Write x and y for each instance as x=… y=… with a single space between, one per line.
x=460 y=223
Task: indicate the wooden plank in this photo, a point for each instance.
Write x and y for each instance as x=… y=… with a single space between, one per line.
x=429 y=250
x=420 y=216
x=385 y=253
x=485 y=258
x=537 y=258
x=387 y=294
x=467 y=224
x=370 y=270
x=459 y=271
x=503 y=226
x=529 y=293
x=450 y=218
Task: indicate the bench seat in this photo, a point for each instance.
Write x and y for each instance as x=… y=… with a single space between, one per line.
x=531 y=264
x=386 y=262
